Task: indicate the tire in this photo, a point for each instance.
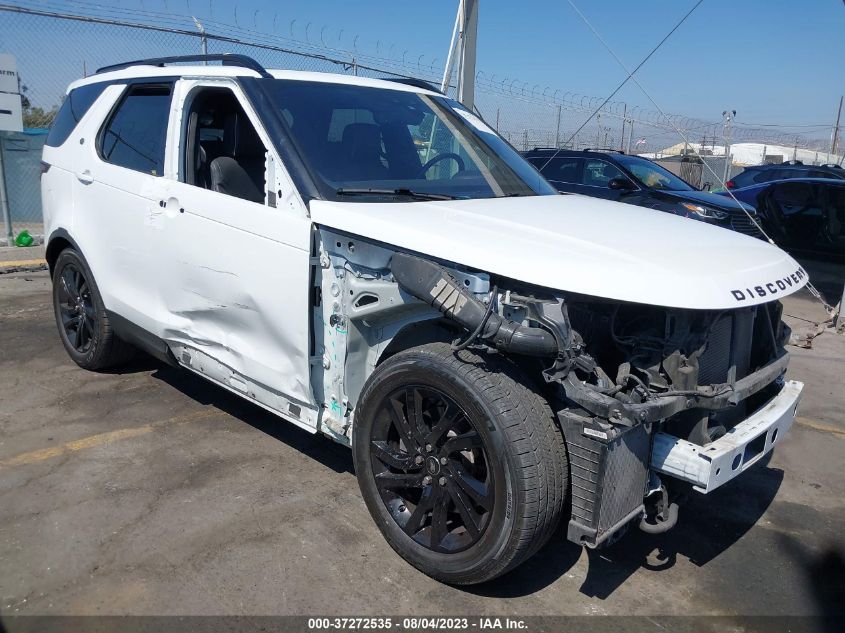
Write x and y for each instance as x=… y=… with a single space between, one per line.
x=81 y=317
x=496 y=495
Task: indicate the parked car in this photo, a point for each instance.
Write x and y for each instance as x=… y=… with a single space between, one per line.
x=759 y=174
x=635 y=180
x=369 y=260
x=804 y=215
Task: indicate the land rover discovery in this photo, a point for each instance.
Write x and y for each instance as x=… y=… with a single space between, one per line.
x=369 y=260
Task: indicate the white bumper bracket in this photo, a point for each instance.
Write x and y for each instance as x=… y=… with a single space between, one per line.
x=708 y=467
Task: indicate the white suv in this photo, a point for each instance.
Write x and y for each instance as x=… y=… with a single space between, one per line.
x=369 y=260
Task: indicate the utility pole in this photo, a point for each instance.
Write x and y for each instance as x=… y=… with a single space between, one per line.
x=630 y=135
x=463 y=48
x=728 y=116
x=835 y=140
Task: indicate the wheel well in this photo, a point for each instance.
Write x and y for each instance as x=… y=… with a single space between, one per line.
x=417 y=334
x=54 y=249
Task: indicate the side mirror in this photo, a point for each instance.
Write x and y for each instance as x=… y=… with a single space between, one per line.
x=620 y=184
x=706 y=186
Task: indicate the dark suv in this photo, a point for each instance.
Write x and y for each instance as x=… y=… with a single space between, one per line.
x=784 y=171
x=617 y=176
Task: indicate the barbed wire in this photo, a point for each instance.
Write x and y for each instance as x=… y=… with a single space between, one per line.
x=516 y=106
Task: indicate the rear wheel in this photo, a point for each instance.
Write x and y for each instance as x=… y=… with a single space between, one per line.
x=81 y=317
x=461 y=464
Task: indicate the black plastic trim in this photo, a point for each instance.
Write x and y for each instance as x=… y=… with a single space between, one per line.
x=141 y=338
x=228 y=59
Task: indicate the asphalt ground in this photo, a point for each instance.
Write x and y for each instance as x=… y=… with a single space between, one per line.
x=148 y=491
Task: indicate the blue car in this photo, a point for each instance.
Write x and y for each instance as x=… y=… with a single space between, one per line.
x=803 y=215
x=635 y=180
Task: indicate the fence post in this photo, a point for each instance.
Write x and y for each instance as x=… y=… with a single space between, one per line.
x=4 y=199
x=557 y=131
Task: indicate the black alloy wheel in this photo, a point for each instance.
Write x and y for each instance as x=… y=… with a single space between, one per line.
x=431 y=469
x=76 y=308
x=459 y=460
x=83 y=321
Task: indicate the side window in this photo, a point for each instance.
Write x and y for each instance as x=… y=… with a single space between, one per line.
x=559 y=169
x=135 y=135
x=820 y=174
x=597 y=173
x=223 y=151
x=74 y=107
x=765 y=175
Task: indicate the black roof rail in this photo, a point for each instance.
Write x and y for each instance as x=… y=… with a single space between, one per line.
x=603 y=149
x=412 y=81
x=793 y=162
x=831 y=166
x=228 y=59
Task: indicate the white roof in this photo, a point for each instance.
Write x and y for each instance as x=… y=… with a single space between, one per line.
x=219 y=71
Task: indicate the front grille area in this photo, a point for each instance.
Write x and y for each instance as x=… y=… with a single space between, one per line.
x=728 y=345
x=741 y=223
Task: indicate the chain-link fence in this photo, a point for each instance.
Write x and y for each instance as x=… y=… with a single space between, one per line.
x=54 y=48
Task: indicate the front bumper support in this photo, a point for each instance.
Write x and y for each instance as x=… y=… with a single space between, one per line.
x=708 y=467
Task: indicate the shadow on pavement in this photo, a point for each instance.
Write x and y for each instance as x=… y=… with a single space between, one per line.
x=317 y=447
x=824 y=574
x=708 y=526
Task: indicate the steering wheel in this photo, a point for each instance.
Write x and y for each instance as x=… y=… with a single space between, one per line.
x=437 y=159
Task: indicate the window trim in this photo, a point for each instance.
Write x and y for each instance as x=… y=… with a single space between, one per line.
x=127 y=91
x=189 y=89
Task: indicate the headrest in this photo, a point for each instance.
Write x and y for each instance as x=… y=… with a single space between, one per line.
x=362 y=136
x=239 y=137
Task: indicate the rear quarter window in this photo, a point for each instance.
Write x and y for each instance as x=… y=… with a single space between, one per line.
x=76 y=104
x=136 y=133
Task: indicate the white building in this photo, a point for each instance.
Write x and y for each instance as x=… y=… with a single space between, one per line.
x=753 y=153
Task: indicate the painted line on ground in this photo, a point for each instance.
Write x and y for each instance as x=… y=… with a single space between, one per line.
x=100 y=439
x=23 y=262
x=819 y=426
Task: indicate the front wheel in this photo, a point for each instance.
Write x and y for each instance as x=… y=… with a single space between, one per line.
x=460 y=464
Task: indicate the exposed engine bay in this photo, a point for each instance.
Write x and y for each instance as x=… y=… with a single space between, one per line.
x=624 y=378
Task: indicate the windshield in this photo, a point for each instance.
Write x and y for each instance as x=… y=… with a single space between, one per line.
x=360 y=142
x=653 y=175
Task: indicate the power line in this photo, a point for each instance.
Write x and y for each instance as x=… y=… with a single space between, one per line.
x=640 y=65
x=810 y=287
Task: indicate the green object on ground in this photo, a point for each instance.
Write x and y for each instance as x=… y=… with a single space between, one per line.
x=24 y=239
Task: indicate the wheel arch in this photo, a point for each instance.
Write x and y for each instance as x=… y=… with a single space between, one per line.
x=416 y=334
x=58 y=241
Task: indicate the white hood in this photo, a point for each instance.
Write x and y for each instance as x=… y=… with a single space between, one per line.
x=581 y=244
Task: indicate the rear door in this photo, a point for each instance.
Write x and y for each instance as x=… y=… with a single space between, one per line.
x=120 y=167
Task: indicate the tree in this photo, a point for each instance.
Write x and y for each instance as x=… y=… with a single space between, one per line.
x=34 y=116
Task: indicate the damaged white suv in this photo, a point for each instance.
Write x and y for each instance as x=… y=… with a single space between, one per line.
x=369 y=260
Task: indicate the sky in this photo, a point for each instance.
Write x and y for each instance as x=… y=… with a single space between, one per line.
x=776 y=62
x=773 y=61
